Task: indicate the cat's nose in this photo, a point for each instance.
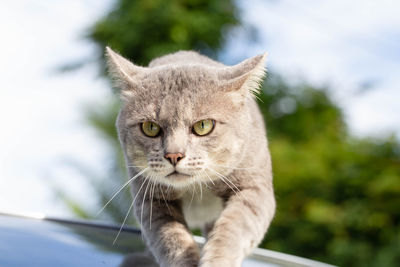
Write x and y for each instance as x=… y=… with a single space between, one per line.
x=174 y=157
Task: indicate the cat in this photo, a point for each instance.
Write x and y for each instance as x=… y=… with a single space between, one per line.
x=196 y=150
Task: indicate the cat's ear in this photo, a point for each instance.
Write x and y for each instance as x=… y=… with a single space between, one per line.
x=245 y=77
x=123 y=72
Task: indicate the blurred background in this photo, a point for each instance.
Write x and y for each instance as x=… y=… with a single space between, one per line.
x=331 y=102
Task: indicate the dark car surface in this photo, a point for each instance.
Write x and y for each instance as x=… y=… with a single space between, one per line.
x=49 y=242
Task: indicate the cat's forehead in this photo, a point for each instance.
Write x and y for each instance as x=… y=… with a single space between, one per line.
x=183 y=107
x=178 y=96
x=180 y=79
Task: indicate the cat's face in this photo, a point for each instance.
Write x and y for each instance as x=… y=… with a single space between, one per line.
x=183 y=124
x=173 y=102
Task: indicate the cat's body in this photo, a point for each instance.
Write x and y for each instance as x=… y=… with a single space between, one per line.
x=221 y=181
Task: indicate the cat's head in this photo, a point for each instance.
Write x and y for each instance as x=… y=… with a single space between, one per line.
x=188 y=121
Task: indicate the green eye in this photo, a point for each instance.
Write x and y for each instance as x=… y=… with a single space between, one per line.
x=203 y=127
x=151 y=129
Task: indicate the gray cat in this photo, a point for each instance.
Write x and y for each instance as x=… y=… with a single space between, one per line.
x=196 y=149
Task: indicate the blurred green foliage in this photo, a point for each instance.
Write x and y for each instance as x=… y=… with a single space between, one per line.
x=144 y=29
x=337 y=195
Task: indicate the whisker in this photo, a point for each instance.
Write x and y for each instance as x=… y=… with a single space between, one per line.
x=209 y=178
x=229 y=167
x=205 y=183
x=162 y=193
x=136 y=166
x=223 y=179
x=151 y=202
x=198 y=176
x=144 y=197
x=116 y=193
x=201 y=190
x=258 y=97
x=129 y=210
x=168 y=187
x=158 y=198
x=226 y=180
x=122 y=225
x=193 y=189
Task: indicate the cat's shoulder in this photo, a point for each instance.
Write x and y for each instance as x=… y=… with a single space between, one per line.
x=184 y=57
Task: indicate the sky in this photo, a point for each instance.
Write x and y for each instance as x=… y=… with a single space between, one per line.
x=351 y=45
x=41 y=108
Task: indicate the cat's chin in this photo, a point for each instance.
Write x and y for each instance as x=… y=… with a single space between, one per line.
x=178 y=179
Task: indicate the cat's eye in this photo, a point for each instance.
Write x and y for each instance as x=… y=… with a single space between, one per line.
x=151 y=129
x=203 y=127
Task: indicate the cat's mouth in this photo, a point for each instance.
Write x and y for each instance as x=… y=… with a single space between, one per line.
x=176 y=173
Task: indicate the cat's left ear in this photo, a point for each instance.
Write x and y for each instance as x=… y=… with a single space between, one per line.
x=245 y=77
x=123 y=72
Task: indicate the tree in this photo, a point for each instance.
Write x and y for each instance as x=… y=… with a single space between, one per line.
x=144 y=29
x=337 y=195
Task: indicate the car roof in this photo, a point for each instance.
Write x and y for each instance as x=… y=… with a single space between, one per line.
x=45 y=241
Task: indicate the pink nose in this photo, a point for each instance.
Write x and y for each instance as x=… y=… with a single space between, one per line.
x=174 y=157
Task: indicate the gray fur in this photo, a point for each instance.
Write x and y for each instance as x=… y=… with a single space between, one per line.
x=226 y=185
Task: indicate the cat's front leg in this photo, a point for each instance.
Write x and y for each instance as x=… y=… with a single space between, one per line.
x=167 y=235
x=240 y=228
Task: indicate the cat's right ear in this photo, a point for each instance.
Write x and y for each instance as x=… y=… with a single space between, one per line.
x=123 y=73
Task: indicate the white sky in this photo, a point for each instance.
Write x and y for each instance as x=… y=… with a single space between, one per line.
x=40 y=109
x=343 y=43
